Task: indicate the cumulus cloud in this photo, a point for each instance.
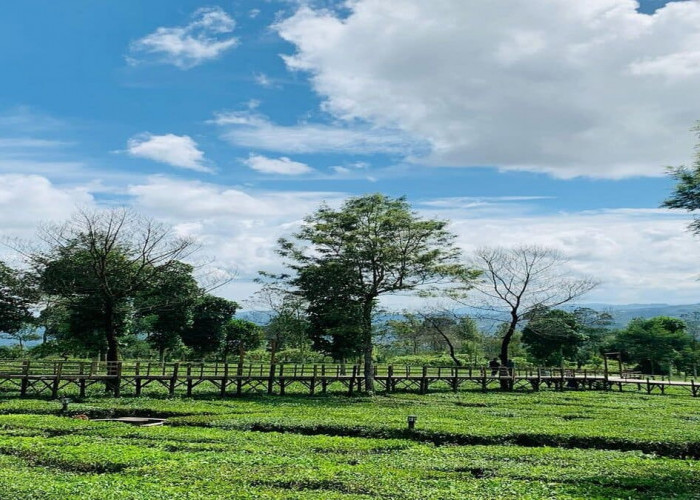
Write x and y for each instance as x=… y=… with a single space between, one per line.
x=590 y=88
x=282 y=165
x=29 y=200
x=253 y=130
x=627 y=249
x=176 y=150
x=240 y=228
x=206 y=37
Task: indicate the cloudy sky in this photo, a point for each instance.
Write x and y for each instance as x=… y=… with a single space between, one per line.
x=526 y=121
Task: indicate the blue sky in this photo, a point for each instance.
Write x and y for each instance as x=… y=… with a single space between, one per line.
x=537 y=121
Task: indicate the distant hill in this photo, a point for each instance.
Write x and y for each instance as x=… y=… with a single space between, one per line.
x=622 y=314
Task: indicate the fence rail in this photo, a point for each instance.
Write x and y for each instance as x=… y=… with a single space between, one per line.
x=40 y=377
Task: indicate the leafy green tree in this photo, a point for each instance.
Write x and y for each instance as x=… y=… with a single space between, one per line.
x=691 y=355
x=23 y=335
x=686 y=194
x=210 y=315
x=334 y=312
x=654 y=343
x=17 y=296
x=553 y=336
x=376 y=246
x=289 y=327
x=97 y=263
x=165 y=309
x=451 y=332
x=408 y=332
x=597 y=327
x=240 y=336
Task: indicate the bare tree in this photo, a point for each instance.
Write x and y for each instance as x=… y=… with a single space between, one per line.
x=518 y=281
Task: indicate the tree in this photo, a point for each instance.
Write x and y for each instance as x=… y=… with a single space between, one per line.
x=241 y=336
x=451 y=332
x=165 y=309
x=692 y=321
x=686 y=195
x=596 y=326
x=17 y=295
x=289 y=326
x=98 y=262
x=374 y=245
x=408 y=332
x=654 y=343
x=334 y=311
x=23 y=335
x=519 y=281
x=210 y=316
x=553 y=336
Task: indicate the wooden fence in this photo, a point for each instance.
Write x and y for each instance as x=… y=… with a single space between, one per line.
x=32 y=377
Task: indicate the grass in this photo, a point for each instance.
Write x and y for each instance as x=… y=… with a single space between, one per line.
x=465 y=445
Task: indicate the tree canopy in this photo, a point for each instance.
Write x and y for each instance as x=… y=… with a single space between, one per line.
x=96 y=264
x=371 y=246
x=686 y=194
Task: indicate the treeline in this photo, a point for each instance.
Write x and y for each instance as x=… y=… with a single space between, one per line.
x=115 y=284
x=578 y=338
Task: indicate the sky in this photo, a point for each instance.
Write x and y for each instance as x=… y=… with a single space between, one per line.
x=545 y=122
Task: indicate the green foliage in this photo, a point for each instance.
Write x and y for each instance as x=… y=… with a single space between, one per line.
x=240 y=336
x=553 y=336
x=372 y=245
x=654 y=343
x=546 y=445
x=686 y=194
x=17 y=295
x=97 y=266
x=210 y=316
x=164 y=310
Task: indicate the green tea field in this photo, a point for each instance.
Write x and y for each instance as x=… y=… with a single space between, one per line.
x=466 y=445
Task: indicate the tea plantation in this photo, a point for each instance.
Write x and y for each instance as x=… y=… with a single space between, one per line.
x=466 y=445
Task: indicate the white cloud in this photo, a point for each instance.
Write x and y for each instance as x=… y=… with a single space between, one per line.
x=243 y=128
x=239 y=227
x=205 y=38
x=264 y=81
x=29 y=200
x=176 y=150
x=640 y=255
x=282 y=165
x=588 y=88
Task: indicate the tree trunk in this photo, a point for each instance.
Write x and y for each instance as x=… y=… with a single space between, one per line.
x=450 y=346
x=367 y=344
x=506 y=384
x=273 y=351
x=112 y=355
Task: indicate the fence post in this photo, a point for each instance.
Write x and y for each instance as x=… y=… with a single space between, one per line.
x=271 y=379
x=313 y=381
x=137 y=378
x=25 y=378
x=351 y=387
x=224 y=380
x=282 y=387
x=424 y=381
x=189 y=380
x=173 y=379
x=239 y=379
x=118 y=381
